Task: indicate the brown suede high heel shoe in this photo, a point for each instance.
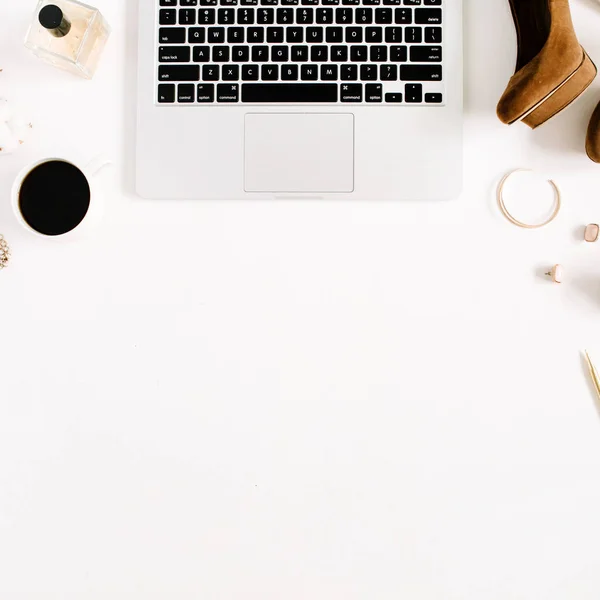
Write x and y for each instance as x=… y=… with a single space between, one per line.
x=552 y=68
x=592 y=142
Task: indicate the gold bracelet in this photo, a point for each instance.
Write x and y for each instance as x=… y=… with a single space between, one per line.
x=518 y=223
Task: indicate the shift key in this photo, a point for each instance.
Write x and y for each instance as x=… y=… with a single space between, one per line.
x=179 y=73
x=420 y=72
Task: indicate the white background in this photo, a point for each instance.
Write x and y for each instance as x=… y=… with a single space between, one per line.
x=299 y=400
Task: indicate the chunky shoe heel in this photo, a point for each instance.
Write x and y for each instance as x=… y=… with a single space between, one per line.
x=592 y=142
x=564 y=95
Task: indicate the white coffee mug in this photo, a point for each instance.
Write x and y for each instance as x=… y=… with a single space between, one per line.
x=95 y=209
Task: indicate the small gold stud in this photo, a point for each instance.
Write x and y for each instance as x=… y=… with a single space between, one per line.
x=592 y=233
x=556 y=274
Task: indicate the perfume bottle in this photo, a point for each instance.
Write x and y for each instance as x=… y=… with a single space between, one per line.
x=69 y=35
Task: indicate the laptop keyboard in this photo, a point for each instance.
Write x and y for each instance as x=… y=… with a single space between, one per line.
x=300 y=52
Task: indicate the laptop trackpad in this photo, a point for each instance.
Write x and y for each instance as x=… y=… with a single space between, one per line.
x=299 y=152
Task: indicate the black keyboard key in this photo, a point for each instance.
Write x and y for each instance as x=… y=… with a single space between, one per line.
x=309 y=2
x=228 y=92
x=364 y=16
x=216 y=35
x=188 y=2
x=305 y=16
x=207 y=16
x=428 y=16
x=208 y=2
x=289 y=92
x=398 y=54
x=230 y=73
x=166 y=93
x=391 y=2
x=248 y=2
x=290 y=2
x=403 y=16
x=168 y=2
x=343 y=16
x=260 y=53
x=426 y=54
x=373 y=92
x=294 y=35
x=285 y=16
x=275 y=35
x=378 y=53
x=325 y=16
x=299 y=53
x=196 y=35
x=289 y=72
x=433 y=35
x=318 y=53
x=187 y=16
x=388 y=73
x=265 y=16
x=240 y=54
x=167 y=16
x=412 y=2
x=433 y=98
x=245 y=16
x=334 y=35
x=432 y=2
x=393 y=97
x=279 y=53
x=171 y=35
x=269 y=2
x=374 y=35
x=330 y=2
x=229 y=2
x=250 y=72
x=178 y=73
x=421 y=73
x=269 y=72
x=413 y=35
x=358 y=53
x=368 y=72
x=351 y=92
x=414 y=92
x=393 y=35
x=354 y=35
x=314 y=35
x=309 y=72
x=329 y=72
x=339 y=54
x=349 y=73
x=371 y=2
x=256 y=35
x=186 y=93
x=350 y=2
x=221 y=54
x=235 y=35
x=210 y=73
x=383 y=16
x=174 y=54
x=226 y=16
x=201 y=54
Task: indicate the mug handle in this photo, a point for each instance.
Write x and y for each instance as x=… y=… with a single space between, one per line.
x=96 y=164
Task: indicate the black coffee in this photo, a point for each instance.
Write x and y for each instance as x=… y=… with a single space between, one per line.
x=54 y=198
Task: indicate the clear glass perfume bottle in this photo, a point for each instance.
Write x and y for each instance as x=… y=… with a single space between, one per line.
x=69 y=35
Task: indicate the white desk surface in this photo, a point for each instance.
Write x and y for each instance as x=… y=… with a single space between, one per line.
x=299 y=400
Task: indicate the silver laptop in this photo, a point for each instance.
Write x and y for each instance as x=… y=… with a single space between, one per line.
x=260 y=99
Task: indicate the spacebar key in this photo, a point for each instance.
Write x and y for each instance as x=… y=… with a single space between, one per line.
x=289 y=92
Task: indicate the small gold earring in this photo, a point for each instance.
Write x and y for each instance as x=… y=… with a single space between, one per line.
x=556 y=274
x=592 y=233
